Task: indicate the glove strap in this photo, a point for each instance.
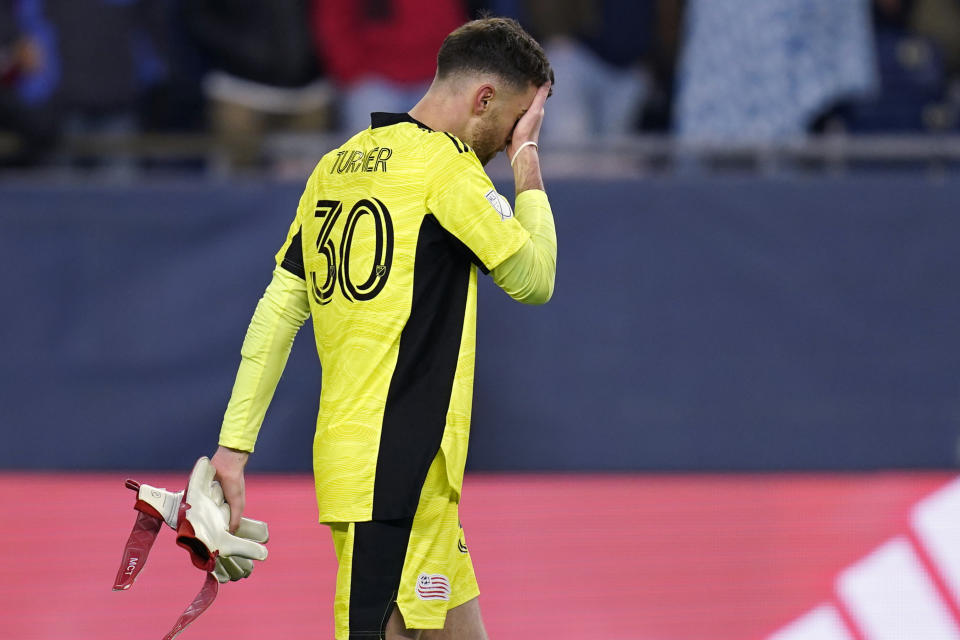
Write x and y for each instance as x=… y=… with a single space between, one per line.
x=203 y=600
x=141 y=539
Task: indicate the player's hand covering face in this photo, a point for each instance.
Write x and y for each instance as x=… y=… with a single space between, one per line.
x=492 y=131
x=527 y=127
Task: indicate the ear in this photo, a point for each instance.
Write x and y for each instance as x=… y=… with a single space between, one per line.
x=482 y=98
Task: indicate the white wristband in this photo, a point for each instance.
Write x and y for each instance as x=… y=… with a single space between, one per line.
x=520 y=148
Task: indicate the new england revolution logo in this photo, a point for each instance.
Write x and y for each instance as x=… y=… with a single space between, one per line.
x=433 y=586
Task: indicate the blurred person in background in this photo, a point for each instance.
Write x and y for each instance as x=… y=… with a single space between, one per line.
x=381 y=54
x=99 y=68
x=600 y=50
x=264 y=72
x=759 y=71
x=662 y=62
x=939 y=20
x=108 y=53
x=938 y=23
x=172 y=73
x=26 y=73
x=914 y=52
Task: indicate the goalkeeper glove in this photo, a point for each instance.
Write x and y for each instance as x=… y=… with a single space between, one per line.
x=200 y=517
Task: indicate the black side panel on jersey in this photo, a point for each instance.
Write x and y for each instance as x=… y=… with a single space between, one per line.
x=293 y=258
x=467 y=253
x=416 y=407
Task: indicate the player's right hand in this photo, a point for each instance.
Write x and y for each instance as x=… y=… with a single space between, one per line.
x=229 y=464
x=528 y=126
x=229 y=556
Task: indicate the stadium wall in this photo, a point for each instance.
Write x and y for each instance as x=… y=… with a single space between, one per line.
x=698 y=324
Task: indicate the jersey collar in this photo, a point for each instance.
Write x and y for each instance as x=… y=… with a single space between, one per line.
x=382 y=119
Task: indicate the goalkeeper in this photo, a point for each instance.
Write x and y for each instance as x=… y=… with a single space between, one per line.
x=383 y=254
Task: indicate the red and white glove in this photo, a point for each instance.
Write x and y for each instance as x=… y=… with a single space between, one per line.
x=200 y=517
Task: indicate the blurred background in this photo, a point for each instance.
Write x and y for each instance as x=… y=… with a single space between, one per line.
x=738 y=418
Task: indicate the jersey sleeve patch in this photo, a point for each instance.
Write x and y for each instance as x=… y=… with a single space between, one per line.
x=499 y=204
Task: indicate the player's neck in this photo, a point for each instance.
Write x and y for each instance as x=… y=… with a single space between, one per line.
x=440 y=110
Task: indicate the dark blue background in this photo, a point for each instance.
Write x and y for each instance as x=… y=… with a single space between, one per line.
x=698 y=324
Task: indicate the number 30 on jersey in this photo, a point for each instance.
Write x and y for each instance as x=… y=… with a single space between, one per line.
x=338 y=258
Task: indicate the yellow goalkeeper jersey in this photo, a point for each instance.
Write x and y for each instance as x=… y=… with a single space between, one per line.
x=388 y=236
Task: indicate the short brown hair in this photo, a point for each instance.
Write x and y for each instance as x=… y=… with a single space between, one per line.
x=495 y=45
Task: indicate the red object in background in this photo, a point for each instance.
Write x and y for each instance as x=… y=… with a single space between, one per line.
x=646 y=557
x=9 y=71
x=398 y=43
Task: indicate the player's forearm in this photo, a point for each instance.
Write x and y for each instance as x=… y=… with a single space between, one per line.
x=526 y=170
x=528 y=275
x=279 y=315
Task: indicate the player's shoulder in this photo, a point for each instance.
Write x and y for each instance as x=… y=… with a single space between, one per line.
x=449 y=156
x=450 y=144
x=446 y=145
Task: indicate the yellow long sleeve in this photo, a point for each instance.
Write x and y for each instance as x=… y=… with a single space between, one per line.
x=528 y=275
x=280 y=313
